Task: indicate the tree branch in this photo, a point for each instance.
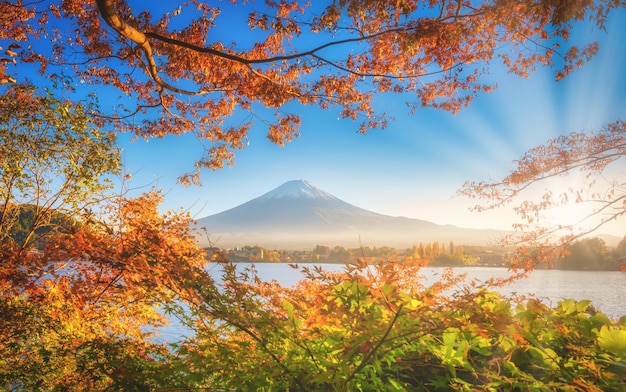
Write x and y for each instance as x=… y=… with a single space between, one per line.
x=107 y=11
x=380 y=342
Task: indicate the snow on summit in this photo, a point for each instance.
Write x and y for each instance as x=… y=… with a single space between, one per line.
x=297 y=189
x=298 y=215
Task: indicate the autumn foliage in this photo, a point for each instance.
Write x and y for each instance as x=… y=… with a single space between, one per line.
x=593 y=158
x=78 y=290
x=89 y=275
x=170 y=69
x=383 y=328
x=82 y=301
x=75 y=314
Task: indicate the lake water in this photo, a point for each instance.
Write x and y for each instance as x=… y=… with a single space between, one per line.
x=606 y=289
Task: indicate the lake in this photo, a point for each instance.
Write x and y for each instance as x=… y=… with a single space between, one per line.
x=606 y=289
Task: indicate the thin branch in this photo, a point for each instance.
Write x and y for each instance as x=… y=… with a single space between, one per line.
x=381 y=75
x=142 y=40
x=380 y=342
x=554 y=170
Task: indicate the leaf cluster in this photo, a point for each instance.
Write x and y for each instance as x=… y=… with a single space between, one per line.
x=379 y=328
x=173 y=74
x=80 y=314
x=593 y=158
x=80 y=290
x=53 y=161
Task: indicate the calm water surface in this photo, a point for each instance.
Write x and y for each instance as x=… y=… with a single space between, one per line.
x=605 y=289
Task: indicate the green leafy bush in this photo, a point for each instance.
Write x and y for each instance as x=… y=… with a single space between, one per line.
x=378 y=328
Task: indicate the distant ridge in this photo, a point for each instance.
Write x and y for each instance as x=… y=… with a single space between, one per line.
x=299 y=215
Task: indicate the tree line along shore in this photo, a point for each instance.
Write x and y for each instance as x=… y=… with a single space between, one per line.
x=585 y=254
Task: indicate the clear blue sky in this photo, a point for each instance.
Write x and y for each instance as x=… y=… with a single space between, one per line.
x=415 y=166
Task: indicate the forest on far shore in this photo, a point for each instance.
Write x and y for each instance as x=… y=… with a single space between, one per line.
x=591 y=254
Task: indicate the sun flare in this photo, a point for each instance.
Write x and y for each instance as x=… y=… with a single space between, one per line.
x=570 y=214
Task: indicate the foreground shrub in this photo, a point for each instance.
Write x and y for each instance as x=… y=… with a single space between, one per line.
x=379 y=328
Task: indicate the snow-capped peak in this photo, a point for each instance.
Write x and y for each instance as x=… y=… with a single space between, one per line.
x=297 y=189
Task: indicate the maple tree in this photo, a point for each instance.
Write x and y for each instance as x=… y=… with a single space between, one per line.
x=82 y=279
x=382 y=327
x=79 y=298
x=81 y=313
x=73 y=316
x=175 y=73
x=593 y=156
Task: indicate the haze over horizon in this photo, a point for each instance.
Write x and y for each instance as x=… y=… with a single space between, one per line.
x=297 y=215
x=415 y=167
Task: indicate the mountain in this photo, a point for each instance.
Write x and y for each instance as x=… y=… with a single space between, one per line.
x=298 y=215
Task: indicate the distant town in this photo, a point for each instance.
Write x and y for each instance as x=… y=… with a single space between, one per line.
x=585 y=254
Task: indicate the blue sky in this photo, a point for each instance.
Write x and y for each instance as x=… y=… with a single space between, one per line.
x=415 y=166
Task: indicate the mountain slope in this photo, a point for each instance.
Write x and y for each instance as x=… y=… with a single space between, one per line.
x=299 y=215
